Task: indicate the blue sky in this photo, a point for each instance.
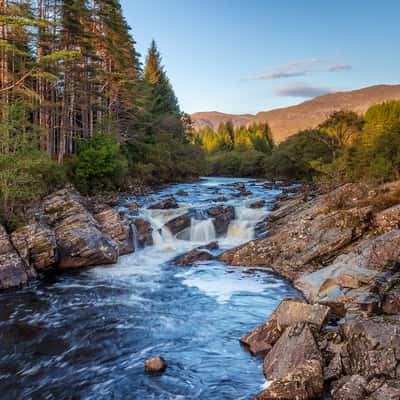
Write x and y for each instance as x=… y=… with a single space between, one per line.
x=245 y=56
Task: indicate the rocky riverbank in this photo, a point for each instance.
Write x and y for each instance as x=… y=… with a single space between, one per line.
x=341 y=249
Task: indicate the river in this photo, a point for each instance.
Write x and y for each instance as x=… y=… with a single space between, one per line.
x=86 y=334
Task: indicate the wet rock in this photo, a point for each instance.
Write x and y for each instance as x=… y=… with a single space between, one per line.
x=258 y=204
x=303 y=383
x=350 y=388
x=294 y=347
x=373 y=345
x=36 y=244
x=13 y=270
x=289 y=313
x=285 y=209
x=179 y=223
x=117 y=227
x=79 y=238
x=222 y=216
x=192 y=257
x=261 y=229
x=144 y=232
x=166 y=204
x=132 y=206
x=209 y=246
x=155 y=365
x=220 y=199
x=182 y=193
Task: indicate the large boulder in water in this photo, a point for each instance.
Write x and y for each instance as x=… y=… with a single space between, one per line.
x=166 y=204
x=36 y=244
x=13 y=270
x=179 y=223
x=192 y=257
x=80 y=241
x=155 y=365
x=222 y=216
x=117 y=227
x=144 y=232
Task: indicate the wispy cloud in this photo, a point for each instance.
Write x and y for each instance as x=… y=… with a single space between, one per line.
x=338 y=67
x=303 y=89
x=299 y=68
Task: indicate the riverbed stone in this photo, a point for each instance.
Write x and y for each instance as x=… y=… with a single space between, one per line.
x=166 y=204
x=144 y=232
x=179 y=223
x=155 y=365
x=192 y=257
x=222 y=216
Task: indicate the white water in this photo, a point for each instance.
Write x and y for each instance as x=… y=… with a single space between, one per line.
x=202 y=231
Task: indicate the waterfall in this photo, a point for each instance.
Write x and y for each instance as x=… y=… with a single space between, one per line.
x=133 y=237
x=202 y=231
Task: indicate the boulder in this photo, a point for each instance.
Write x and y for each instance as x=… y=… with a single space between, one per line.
x=388 y=391
x=391 y=298
x=373 y=345
x=132 y=206
x=117 y=227
x=303 y=383
x=36 y=244
x=209 y=246
x=222 y=216
x=166 y=204
x=192 y=257
x=257 y=204
x=387 y=220
x=155 y=365
x=179 y=223
x=144 y=232
x=13 y=270
x=289 y=313
x=350 y=388
x=294 y=347
x=79 y=238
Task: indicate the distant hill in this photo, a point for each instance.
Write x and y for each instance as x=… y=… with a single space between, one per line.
x=285 y=122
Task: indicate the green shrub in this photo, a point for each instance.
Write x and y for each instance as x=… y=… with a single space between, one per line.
x=98 y=165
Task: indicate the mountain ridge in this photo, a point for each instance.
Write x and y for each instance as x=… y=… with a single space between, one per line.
x=286 y=121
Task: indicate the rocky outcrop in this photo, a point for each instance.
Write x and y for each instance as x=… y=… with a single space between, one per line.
x=341 y=248
x=257 y=204
x=166 y=204
x=13 y=270
x=117 y=227
x=222 y=216
x=36 y=244
x=143 y=232
x=80 y=241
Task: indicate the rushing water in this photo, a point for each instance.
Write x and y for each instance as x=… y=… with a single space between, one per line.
x=85 y=335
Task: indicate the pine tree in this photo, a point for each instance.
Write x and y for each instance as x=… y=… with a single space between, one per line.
x=161 y=97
